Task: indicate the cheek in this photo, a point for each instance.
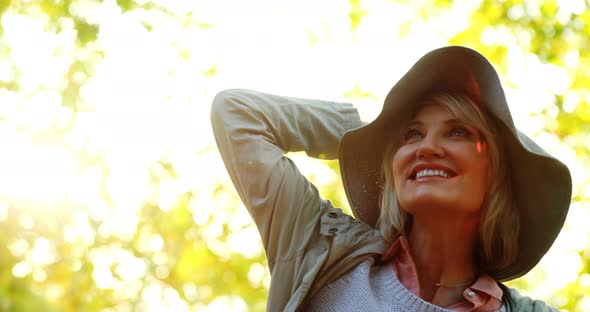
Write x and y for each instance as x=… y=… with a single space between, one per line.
x=481 y=172
x=397 y=166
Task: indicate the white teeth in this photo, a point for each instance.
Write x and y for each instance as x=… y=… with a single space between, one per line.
x=430 y=173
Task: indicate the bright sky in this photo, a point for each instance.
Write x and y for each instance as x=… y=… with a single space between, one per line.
x=146 y=103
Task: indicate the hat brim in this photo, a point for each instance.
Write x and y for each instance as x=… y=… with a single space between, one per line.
x=541 y=183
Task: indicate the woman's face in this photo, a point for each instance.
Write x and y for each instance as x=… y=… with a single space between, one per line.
x=442 y=164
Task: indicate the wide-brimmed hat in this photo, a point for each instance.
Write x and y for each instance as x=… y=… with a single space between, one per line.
x=541 y=184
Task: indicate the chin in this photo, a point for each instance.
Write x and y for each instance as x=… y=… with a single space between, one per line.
x=429 y=203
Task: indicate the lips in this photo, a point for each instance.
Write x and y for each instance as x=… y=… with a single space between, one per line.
x=431 y=170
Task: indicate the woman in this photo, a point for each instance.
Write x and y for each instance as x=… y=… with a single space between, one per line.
x=449 y=198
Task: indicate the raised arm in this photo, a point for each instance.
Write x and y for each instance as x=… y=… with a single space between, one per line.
x=253 y=130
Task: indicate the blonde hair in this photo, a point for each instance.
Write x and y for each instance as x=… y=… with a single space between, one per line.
x=499 y=221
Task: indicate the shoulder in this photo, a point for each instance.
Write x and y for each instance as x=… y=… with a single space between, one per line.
x=527 y=304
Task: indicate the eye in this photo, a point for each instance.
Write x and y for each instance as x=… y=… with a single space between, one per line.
x=460 y=131
x=411 y=135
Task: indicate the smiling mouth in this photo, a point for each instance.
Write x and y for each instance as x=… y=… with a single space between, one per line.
x=426 y=173
x=431 y=173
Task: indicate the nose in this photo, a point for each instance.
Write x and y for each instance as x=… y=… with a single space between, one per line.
x=429 y=147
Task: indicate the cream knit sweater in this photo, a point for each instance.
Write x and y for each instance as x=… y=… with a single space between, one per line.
x=369 y=288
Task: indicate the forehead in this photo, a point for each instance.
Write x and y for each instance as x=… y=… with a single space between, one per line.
x=432 y=111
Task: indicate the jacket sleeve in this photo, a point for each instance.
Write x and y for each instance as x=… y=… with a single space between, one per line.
x=253 y=130
x=525 y=304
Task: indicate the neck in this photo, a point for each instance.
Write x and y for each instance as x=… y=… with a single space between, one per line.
x=443 y=250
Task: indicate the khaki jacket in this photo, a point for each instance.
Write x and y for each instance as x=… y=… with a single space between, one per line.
x=308 y=242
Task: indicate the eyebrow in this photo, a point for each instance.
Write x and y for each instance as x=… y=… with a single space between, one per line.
x=448 y=121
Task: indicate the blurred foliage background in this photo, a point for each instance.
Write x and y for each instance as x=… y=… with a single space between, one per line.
x=112 y=194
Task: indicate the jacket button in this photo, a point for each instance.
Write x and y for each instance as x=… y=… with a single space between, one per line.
x=333 y=230
x=332 y=215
